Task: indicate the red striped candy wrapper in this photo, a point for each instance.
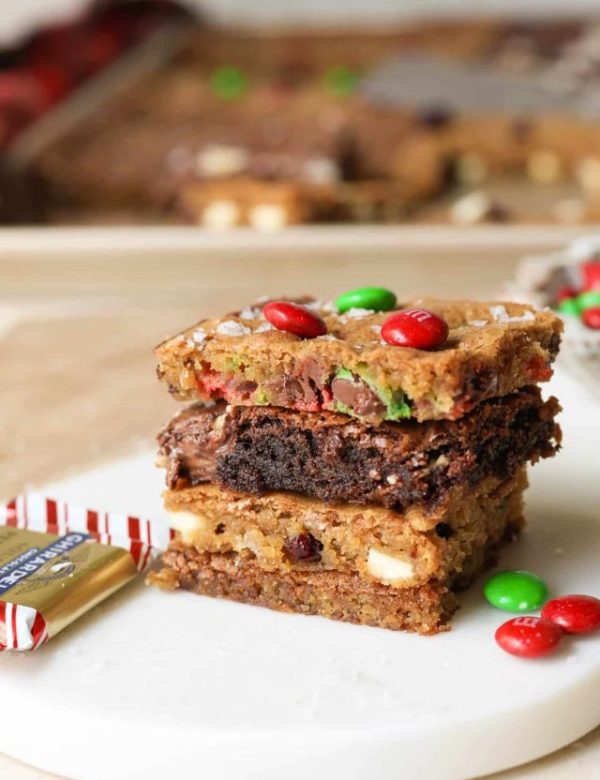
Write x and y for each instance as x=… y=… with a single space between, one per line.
x=58 y=560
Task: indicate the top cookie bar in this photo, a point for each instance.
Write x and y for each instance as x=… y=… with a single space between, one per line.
x=491 y=349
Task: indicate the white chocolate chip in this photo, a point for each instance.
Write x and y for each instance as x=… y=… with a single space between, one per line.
x=587 y=174
x=188 y=524
x=268 y=217
x=321 y=170
x=220 y=160
x=388 y=568
x=264 y=327
x=569 y=211
x=392 y=479
x=232 y=328
x=544 y=167
x=221 y=214
x=471 y=209
x=471 y=168
x=376 y=329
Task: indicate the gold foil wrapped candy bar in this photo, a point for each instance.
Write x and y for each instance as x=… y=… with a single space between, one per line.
x=58 y=561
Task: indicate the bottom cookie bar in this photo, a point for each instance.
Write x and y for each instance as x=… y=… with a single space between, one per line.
x=236 y=548
x=426 y=609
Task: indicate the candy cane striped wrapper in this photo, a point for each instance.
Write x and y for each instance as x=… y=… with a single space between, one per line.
x=22 y=626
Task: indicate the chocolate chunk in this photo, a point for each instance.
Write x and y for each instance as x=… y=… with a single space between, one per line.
x=358 y=396
x=305 y=390
x=243 y=387
x=435 y=117
x=303 y=548
x=444 y=531
x=522 y=128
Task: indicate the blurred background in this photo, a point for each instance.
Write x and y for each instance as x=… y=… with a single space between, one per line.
x=221 y=113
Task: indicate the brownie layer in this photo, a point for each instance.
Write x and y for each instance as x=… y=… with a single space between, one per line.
x=492 y=349
x=285 y=532
x=331 y=457
x=424 y=609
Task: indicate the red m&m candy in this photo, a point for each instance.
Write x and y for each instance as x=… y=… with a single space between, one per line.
x=574 y=614
x=416 y=328
x=591 y=317
x=565 y=293
x=590 y=273
x=528 y=637
x=295 y=319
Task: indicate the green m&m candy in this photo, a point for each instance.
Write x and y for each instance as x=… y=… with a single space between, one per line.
x=516 y=591
x=374 y=298
x=341 y=81
x=589 y=299
x=569 y=306
x=228 y=82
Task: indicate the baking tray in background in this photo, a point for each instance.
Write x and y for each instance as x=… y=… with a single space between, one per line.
x=162 y=47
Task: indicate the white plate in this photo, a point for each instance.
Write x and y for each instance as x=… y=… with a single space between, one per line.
x=154 y=685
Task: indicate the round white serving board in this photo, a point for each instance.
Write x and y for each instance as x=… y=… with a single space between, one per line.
x=156 y=685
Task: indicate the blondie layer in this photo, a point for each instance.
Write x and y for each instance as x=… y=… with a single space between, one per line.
x=492 y=349
x=364 y=565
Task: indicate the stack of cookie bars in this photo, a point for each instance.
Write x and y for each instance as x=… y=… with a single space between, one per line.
x=345 y=476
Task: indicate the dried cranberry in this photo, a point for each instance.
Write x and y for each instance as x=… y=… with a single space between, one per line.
x=303 y=547
x=539 y=370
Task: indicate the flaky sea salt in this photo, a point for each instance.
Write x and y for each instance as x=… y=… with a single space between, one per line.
x=376 y=329
x=232 y=328
x=199 y=336
x=356 y=313
x=250 y=313
x=264 y=327
x=326 y=337
x=500 y=314
x=478 y=323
